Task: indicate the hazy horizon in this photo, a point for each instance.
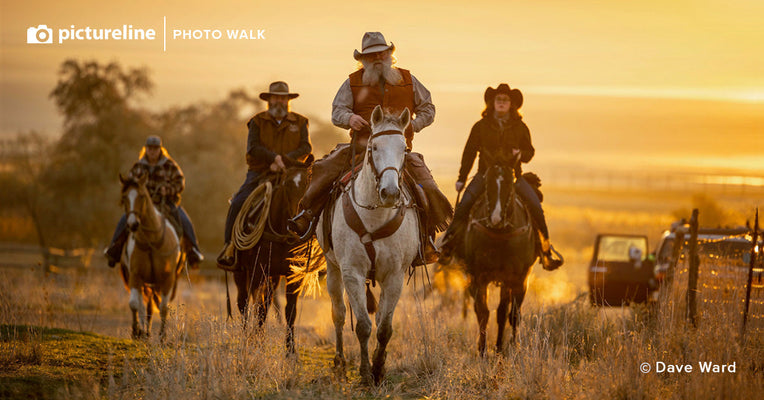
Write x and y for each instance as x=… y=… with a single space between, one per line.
x=615 y=85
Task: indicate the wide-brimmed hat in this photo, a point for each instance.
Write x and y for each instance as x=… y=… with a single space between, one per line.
x=372 y=42
x=515 y=96
x=278 y=88
x=153 y=140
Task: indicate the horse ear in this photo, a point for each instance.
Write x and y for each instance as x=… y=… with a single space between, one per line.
x=142 y=179
x=376 y=116
x=405 y=118
x=122 y=179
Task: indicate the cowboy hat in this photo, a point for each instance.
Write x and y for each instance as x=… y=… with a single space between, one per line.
x=279 y=88
x=372 y=42
x=153 y=141
x=515 y=96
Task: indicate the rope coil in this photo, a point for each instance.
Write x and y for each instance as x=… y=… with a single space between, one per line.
x=260 y=198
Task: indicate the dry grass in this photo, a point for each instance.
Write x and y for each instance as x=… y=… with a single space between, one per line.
x=565 y=348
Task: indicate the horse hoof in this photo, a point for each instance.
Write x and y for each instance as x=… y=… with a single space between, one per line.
x=367 y=379
x=378 y=374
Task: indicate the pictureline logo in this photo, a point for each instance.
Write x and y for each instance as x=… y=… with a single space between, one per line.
x=42 y=34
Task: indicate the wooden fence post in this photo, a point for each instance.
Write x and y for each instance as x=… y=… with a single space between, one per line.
x=692 y=281
x=750 y=273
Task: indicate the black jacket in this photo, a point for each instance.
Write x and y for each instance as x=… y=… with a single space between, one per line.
x=488 y=138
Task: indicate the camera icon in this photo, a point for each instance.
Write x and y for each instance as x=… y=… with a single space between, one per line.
x=41 y=34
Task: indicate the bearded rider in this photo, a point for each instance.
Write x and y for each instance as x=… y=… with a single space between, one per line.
x=376 y=82
x=274 y=135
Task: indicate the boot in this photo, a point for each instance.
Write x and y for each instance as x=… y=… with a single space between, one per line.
x=551 y=259
x=431 y=254
x=227 y=257
x=195 y=257
x=446 y=251
x=113 y=253
x=302 y=224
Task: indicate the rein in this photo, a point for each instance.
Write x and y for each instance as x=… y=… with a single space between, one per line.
x=367 y=238
x=354 y=220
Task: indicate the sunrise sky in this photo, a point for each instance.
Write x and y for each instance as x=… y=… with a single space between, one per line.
x=614 y=80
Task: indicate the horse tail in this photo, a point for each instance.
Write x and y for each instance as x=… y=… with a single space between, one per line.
x=371 y=301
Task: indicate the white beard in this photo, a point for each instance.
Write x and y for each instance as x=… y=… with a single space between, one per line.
x=374 y=73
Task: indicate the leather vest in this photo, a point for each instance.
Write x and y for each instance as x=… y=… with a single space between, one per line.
x=393 y=98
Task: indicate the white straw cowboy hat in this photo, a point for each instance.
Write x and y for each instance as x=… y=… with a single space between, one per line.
x=279 y=88
x=373 y=42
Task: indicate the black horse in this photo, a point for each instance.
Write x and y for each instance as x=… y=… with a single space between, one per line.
x=260 y=268
x=500 y=246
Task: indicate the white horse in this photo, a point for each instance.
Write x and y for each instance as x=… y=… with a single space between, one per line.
x=374 y=237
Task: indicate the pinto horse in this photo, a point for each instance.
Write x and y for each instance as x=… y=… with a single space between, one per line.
x=153 y=258
x=374 y=237
x=500 y=246
x=260 y=268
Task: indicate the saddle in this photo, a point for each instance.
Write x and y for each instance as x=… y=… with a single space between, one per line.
x=421 y=203
x=173 y=216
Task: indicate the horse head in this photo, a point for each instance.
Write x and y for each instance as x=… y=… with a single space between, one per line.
x=290 y=185
x=386 y=152
x=135 y=198
x=500 y=188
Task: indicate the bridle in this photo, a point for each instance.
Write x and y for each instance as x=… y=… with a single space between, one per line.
x=376 y=172
x=142 y=227
x=369 y=151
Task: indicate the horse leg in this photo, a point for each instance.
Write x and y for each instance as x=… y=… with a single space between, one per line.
x=139 y=313
x=149 y=295
x=518 y=295
x=388 y=299
x=269 y=285
x=480 y=293
x=164 y=307
x=501 y=316
x=290 y=312
x=242 y=293
x=356 y=290
x=336 y=291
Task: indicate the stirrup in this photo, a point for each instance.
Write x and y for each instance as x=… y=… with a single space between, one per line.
x=293 y=227
x=549 y=262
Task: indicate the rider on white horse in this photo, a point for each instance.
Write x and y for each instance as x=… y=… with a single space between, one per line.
x=376 y=83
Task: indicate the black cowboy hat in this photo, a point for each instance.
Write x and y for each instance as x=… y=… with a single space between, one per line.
x=515 y=96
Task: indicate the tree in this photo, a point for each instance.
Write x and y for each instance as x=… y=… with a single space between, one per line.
x=102 y=131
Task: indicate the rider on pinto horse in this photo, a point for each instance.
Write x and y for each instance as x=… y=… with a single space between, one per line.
x=165 y=183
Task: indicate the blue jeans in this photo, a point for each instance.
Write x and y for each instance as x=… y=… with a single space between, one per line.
x=249 y=185
x=188 y=228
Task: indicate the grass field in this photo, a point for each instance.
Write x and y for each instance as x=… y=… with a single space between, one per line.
x=67 y=336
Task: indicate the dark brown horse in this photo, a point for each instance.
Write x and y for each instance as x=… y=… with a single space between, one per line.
x=500 y=246
x=260 y=268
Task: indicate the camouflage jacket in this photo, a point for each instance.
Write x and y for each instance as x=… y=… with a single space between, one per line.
x=164 y=173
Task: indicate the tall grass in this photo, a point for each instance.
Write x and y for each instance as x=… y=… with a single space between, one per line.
x=563 y=350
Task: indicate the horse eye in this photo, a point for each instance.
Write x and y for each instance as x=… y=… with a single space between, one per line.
x=374 y=147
